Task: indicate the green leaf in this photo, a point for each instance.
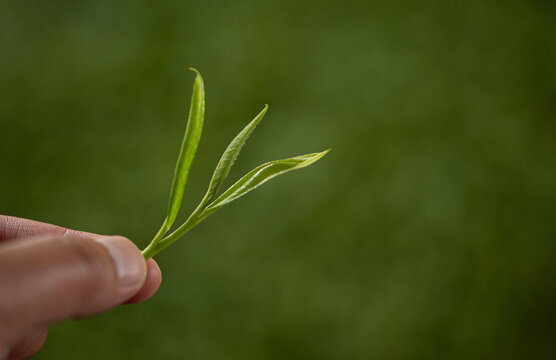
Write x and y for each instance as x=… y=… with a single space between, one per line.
x=250 y=181
x=259 y=176
x=229 y=157
x=188 y=148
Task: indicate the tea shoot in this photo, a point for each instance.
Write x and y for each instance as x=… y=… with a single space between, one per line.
x=212 y=202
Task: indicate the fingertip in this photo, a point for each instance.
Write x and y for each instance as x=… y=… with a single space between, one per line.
x=151 y=285
x=130 y=265
x=29 y=344
x=56 y=277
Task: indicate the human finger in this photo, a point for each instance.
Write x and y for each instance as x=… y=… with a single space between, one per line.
x=29 y=344
x=12 y=227
x=152 y=283
x=49 y=279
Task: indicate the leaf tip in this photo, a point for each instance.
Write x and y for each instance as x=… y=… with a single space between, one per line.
x=319 y=155
x=259 y=116
x=195 y=71
x=263 y=111
x=309 y=159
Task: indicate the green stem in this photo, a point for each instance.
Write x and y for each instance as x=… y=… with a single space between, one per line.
x=157 y=245
x=148 y=251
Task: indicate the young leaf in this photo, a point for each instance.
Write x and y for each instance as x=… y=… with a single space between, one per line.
x=259 y=176
x=229 y=157
x=208 y=205
x=250 y=181
x=188 y=149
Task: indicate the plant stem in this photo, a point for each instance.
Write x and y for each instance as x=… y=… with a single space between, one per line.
x=157 y=244
x=148 y=251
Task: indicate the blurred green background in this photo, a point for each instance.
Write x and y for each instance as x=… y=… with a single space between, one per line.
x=428 y=231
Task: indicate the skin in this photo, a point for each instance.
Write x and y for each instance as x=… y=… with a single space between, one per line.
x=49 y=274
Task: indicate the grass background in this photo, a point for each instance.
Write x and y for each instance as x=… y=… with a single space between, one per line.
x=428 y=231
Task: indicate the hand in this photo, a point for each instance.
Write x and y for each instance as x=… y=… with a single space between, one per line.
x=49 y=274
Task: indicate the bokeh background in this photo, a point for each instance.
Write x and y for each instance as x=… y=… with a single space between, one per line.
x=428 y=231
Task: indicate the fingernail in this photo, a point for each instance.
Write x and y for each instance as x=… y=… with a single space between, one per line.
x=130 y=265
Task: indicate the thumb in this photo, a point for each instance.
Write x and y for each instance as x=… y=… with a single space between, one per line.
x=48 y=279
